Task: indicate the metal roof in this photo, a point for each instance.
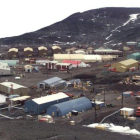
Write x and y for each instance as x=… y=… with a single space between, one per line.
x=136 y=54
x=52 y=80
x=73 y=62
x=55 y=47
x=28 y=67
x=10 y=62
x=28 y=49
x=63 y=64
x=4 y=66
x=68 y=56
x=92 y=57
x=42 y=48
x=128 y=62
x=79 y=104
x=15 y=86
x=20 y=98
x=106 y=50
x=13 y=49
x=50 y=98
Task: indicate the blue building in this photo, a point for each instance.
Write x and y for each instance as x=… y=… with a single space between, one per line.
x=40 y=105
x=61 y=109
x=52 y=82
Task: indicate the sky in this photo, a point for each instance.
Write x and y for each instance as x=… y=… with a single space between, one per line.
x=21 y=16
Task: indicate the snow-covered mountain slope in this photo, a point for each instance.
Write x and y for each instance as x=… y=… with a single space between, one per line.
x=100 y=26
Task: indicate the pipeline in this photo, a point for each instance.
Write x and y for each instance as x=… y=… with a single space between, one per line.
x=109 y=116
x=6 y=117
x=10 y=106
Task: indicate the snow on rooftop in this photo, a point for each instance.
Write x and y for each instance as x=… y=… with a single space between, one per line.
x=50 y=98
x=15 y=86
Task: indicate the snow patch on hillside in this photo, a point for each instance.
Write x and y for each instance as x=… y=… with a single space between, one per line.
x=133 y=17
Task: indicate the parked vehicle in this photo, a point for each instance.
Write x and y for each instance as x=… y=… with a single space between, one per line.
x=46 y=118
x=112 y=69
x=107 y=65
x=70 y=95
x=138 y=112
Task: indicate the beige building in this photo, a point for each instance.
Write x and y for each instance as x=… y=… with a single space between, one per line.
x=124 y=66
x=61 y=57
x=28 y=68
x=5 y=87
x=56 y=50
x=90 y=50
x=5 y=69
x=42 y=51
x=28 y=52
x=13 y=53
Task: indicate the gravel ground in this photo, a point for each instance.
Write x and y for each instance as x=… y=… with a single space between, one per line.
x=28 y=130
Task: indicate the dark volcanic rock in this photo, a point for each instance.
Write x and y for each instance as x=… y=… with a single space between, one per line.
x=91 y=27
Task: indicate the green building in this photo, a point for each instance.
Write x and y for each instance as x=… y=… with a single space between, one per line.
x=139 y=44
x=135 y=56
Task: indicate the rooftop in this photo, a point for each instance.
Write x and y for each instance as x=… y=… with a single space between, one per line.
x=135 y=54
x=15 y=86
x=52 y=80
x=50 y=98
x=66 y=64
x=28 y=49
x=55 y=47
x=128 y=62
x=42 y=48
x=13 y=49
x=20 y=98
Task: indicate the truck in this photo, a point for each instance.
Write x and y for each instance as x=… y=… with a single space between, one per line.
x=112 y=69
x=107 y=65
x=138 y=112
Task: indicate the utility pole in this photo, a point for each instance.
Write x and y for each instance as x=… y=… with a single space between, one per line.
x=95 y=115
x=122 y=101
x=71 y=75
x=11 y=99
x=47 y=72
x=104 y=95
x=82 y=88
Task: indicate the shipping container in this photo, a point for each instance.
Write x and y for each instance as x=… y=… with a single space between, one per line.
x=127 y=111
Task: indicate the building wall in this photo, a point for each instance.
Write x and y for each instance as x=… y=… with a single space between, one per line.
x=7 y=90
x=135 y=57
x=42 y=52
x=120 y=69
x=57 y=51
x=28 y=53
x=12 y=54
x=5 y=72
x=10 y=62
x=33 y=108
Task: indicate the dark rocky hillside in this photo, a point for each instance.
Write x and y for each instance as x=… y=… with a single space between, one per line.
x=98 y=26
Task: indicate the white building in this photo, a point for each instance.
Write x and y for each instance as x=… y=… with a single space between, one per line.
x=5 y=69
